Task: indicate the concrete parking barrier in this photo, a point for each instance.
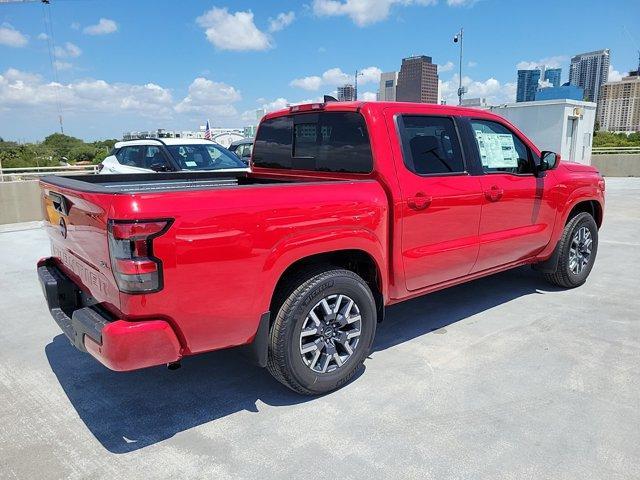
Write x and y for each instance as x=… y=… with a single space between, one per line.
x=20 y=202
x=617 y=165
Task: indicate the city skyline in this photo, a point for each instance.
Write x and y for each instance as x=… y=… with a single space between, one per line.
x=124 y=66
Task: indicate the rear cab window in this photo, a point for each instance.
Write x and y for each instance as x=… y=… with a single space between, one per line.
x=324 y=142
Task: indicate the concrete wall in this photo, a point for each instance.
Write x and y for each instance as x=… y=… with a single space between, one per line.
x=20 y=202
x=619 y=165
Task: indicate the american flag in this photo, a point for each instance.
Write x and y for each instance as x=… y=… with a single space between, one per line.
x=207 y=132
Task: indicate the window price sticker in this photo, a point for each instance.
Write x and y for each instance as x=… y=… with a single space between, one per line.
x=497 y=150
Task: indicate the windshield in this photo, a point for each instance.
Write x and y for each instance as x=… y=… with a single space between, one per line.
x=204 y=157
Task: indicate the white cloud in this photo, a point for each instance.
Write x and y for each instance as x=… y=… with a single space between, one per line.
x=43 y=36
x=277 y=104
x=75 y=26
x=233 y=31
x=370 y=75
x=62 y=65
x=614 y=75
x=491 y=89
x=307 y=83
x=11 y=37
x=69 y=50
x=472 y=64
x=103 y=27
x=282 y=21
x=96 y=108
x=207 y=96
x=362 y=12
x=335 y=77
x=367 y=96
x=549 y=62
x=21 y=90
x=447 y=67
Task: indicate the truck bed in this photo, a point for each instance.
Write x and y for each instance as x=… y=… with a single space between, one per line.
x=160 y=182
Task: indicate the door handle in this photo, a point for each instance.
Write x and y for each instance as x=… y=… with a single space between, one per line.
x=419 y=202
x=494 y=193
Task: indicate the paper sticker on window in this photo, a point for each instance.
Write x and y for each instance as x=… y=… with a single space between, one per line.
x=497 y=150
x=191 y=164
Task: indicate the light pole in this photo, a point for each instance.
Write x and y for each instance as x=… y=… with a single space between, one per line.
x=355 y=88
x=458 y=38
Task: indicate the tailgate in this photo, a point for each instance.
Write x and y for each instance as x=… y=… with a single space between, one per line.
x=76 y=223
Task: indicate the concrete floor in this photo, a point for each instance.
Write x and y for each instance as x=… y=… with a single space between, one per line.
x=505 y=377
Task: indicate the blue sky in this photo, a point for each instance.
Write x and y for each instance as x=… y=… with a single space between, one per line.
x=137 y=65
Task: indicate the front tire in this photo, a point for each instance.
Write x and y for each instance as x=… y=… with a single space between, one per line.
x=577 y=252
x=322 y=332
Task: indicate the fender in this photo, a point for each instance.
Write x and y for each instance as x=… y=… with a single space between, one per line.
x=295 y=248
x=549 y=256
x=298 y=247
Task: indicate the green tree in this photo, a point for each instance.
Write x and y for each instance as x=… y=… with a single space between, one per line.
x=61 y=144
x=82 y=153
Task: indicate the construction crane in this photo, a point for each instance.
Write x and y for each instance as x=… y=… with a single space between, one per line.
x=635 y=44
x=48 y=24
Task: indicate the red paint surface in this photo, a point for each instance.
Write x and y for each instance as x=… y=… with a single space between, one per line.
x=227 y=248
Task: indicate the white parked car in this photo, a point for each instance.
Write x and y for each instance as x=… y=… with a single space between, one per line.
x=170 y=155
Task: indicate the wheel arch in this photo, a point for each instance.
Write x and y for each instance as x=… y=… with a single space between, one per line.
x=592 y=207
x=356 y=260
x=574 y=206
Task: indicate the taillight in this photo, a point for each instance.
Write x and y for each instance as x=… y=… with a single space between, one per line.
x=134 y=267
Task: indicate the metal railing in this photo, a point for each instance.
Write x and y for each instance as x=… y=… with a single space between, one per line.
x=33 y=173
x=615 y=150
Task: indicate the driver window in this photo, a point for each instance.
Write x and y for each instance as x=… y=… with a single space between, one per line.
x=501 y=151
x=154 y=156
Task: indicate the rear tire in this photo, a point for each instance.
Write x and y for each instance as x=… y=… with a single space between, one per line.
x=322 y=332
x=577 y=252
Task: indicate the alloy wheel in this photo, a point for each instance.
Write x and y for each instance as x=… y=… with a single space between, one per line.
x=580 y=250
x=330 y=333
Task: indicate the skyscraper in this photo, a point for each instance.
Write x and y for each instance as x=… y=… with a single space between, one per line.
x=387 y=89
x=529 y=81
x=346 y=93
x=619 y=105
x=590 y=70
x=417 y=80
x=553 y=76
x=527 y=85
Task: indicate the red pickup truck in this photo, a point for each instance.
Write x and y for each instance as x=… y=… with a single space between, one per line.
x=350 y=207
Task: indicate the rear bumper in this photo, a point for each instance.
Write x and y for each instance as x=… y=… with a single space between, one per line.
x=118 y=344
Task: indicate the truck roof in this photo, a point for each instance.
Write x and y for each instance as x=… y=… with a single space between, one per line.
x=359 y=105
x=166 y=141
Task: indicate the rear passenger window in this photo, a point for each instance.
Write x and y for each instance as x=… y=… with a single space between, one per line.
x=327 y=141
x=132 y=156
x=430 y=145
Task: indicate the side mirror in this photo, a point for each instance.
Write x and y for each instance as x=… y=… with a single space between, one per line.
x=159 y=167
x=548 y=161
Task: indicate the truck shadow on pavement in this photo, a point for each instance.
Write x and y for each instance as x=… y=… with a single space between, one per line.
x=132 y=410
